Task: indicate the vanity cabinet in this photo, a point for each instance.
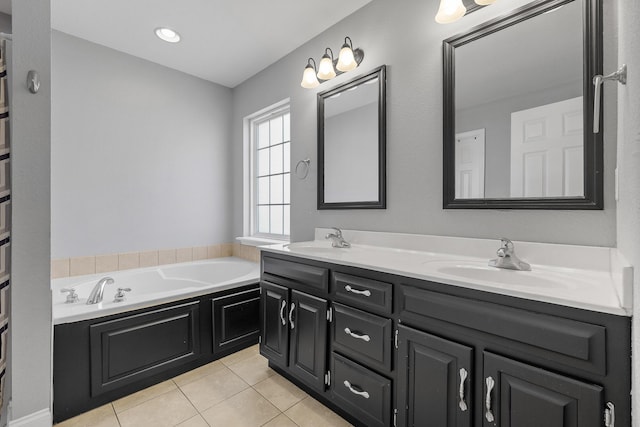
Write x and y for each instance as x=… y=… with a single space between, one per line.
x=399 y=351
x=294 y=323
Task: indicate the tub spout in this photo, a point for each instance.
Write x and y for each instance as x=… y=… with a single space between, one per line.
x=98 y=290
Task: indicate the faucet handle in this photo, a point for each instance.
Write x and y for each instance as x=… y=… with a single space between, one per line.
x=338 y=231
x=506 y=243
x=71 y=296
x=119 y=297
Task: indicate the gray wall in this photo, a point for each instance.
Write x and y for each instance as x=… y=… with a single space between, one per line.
x=629 y=167
x=406 y=38
x=139 y=154
x=30 y=243
x=495 y=118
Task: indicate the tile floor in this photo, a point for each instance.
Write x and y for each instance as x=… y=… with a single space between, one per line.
x=238 y=390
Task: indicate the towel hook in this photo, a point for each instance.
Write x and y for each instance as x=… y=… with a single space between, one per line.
x=620 y=76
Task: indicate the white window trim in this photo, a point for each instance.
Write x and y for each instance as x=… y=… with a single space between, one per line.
x=248 y=165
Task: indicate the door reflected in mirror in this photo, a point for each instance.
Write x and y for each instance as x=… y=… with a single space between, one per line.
x=515 y=123
x=351 y=144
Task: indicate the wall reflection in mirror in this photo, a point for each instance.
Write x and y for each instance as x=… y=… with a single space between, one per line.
x=519 y=110
x=519 y=124
x=351 y=144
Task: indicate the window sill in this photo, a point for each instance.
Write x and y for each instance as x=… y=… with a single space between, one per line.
x=259 y=241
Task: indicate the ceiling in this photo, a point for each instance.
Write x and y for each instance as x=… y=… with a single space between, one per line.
x=223 y=41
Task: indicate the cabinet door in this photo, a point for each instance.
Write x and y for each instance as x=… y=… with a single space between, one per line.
x=434 y=381
x=308 y=346
x=236 y=321
x=526 y=396
x=274 y=344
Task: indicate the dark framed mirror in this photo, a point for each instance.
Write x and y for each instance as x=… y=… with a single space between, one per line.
x=518 y=110
x=352 y=128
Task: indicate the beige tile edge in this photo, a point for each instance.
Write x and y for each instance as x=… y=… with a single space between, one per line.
x=77 y=266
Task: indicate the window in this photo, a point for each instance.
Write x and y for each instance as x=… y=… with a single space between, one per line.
x=269 y=177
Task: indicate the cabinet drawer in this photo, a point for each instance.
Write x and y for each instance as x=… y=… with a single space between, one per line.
x=361 y=392
x=364 y=293
x=295 y=274
x=363 y=336
x=570 y=342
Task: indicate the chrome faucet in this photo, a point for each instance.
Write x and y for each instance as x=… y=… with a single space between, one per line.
x=337 y=241
x=98 y=290
x=507 y=257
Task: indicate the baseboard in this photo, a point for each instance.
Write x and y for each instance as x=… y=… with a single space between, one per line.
x=41 y=418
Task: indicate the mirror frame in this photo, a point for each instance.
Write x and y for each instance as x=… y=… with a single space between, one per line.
x=381 y=203
x=593 y=152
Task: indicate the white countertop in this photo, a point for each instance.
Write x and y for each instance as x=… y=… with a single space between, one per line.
x=586 y=277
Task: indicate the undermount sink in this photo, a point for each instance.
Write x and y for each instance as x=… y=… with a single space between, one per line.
x=475 y=270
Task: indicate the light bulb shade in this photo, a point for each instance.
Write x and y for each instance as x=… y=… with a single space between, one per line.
x=325 y=68
x=309 y=79
x=450 y=11
x=346 y=60
x=484 y=2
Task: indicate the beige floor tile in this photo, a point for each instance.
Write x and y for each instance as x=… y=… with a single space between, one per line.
x=280 y=392
x=198 y=373
x=196 y=421
x=213 y=389
x=241 y=355
x=142 y=396
x=166 y=410
x=245 y=409
x=253 y=370
x=311 y=413
x=281 y=421
x=104 y=416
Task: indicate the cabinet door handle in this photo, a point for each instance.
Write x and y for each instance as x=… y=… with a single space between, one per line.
x=282 y=310
x=366 y=292
x=348 y=385
x=487 y=403
x=463 y=378
x=293 y=306
x=365 y=337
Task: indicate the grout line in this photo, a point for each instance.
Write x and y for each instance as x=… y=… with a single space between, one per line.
x=116 y=414
x=144 y=401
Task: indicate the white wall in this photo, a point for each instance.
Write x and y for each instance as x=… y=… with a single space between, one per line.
x=629 y=167
x=406 y=38
x=30 y=199
x=140 y=154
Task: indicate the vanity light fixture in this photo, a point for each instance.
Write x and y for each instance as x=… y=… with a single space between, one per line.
x=309 y=78
x=346 y=60
x=325 y=69
x=452 y=10
x=328 y=68
x=167 y=34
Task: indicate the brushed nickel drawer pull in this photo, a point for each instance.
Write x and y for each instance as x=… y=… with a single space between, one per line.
x=365 y=337
x=364 y=394
x=366 y=292
x=463 y=378
x=487 y=402
x=282 y=310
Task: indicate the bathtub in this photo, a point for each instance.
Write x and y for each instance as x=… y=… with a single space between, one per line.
x=176 y=318
x=150 y=286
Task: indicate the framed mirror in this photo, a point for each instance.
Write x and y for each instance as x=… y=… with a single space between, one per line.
x=352 y=128
x=518 y=118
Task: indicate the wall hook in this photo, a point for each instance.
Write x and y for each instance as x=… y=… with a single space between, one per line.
x=33 y=81
x=619 y=76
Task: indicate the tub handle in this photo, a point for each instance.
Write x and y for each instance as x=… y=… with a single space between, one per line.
x=293 y=306
x=282 y=310
x=119 y=297
x=71 y=296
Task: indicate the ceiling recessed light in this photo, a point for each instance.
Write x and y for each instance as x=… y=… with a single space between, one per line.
x=168 y=35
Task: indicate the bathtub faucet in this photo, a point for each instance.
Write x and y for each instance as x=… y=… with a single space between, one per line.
x=98 y=290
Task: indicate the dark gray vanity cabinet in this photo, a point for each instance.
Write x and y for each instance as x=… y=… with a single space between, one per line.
x=294 y=323
x=402 y=351
x=434 y=384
